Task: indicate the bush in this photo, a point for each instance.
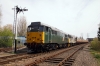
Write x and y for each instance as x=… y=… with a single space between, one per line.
x=95 y=44
x=6 y=37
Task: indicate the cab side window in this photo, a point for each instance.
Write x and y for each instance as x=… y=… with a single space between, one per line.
x=46 y=28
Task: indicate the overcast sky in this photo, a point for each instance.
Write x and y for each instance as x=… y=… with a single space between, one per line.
x=74 y=17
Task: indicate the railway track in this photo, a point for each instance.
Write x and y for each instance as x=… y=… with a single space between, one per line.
x=13 y=58
x=18 y=57
x=8 y=49
x=63 y=58
x=52 y=58
x=5 y=49
x=7 y=59
x=68 y=61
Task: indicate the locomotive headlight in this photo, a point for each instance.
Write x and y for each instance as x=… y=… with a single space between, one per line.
x=41 y=41
x=27 y=34
x=40 y=35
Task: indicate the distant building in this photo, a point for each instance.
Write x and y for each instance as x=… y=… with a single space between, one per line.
x=90 y=39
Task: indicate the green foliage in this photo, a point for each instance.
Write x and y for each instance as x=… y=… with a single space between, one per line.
x=5 y=37
x=96 y=54
x=5 y=34
x=95 y=44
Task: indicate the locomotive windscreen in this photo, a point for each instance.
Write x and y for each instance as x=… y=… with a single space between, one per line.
x=35 y=23
x=35 y=28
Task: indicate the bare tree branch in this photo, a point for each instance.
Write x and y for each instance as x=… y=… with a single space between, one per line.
x=22 y=26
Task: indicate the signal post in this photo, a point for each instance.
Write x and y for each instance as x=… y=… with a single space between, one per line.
x=16 y=11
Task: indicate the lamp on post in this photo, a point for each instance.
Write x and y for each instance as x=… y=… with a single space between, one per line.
x=16 y=11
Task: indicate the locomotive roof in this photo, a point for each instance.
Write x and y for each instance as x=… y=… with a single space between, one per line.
x=40 y=23
x=52 y=27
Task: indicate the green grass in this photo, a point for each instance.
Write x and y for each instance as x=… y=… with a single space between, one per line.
x=95 y=49
x=96 y=54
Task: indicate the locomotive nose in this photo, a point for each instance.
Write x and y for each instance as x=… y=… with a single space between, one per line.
x=37 y=37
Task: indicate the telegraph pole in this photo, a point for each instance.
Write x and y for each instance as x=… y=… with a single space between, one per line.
x=16 y=11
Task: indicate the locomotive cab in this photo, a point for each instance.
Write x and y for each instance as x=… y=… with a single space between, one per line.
x=35 y=34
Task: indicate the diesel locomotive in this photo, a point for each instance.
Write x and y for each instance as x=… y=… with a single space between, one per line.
x=41 y=37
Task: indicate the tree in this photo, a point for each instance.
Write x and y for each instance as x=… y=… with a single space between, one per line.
x=98 y=34
x=6 y=35
x=8 y=26
x=22 y=26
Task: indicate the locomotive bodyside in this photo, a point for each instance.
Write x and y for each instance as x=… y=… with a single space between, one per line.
x=41 y=37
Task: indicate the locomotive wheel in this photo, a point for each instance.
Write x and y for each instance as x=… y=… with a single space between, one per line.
x=46 y=48
x=57 y=46
x=54 y=46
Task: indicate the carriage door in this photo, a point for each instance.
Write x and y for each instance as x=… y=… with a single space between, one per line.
x=50 y=35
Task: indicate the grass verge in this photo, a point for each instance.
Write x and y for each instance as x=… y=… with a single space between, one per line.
x=96 y=54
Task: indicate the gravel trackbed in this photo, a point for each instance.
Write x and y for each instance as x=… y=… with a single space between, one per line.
x=85 y=58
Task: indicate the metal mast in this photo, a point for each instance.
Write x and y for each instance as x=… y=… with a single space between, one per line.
x=16 y=11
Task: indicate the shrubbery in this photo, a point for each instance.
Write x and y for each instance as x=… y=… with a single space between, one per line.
x=5 y=37
x=95 y=44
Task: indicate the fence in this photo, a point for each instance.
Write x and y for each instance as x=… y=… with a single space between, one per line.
x=6 y=41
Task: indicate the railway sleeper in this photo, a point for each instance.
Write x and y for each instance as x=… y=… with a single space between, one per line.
x=69 y=62
x=54 y=60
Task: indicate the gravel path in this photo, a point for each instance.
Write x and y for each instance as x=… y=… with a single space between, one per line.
x=85 y=58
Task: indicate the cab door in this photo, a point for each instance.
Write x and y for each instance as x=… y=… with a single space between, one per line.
x=49 y=35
